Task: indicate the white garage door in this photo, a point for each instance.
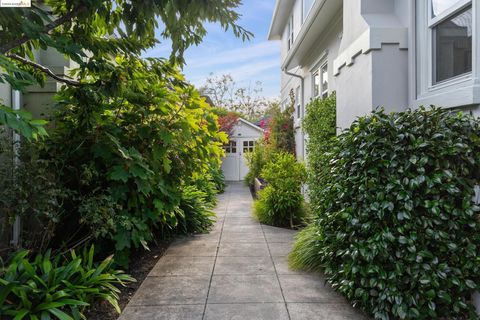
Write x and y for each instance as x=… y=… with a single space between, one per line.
x=234 y=165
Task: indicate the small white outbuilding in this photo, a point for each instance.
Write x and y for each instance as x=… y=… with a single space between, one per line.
x=242 y=140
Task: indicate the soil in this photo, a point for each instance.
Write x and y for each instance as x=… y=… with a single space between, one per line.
x=141 y=264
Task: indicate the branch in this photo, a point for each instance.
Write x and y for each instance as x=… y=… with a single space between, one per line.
x=49 y=72
x=49 y=27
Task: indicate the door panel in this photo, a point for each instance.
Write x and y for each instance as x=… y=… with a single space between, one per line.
x=230 y=163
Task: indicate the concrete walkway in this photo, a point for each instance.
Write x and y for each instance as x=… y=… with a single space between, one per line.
x=238 y=271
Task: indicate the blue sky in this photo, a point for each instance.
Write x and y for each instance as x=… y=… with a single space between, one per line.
x=222 y=53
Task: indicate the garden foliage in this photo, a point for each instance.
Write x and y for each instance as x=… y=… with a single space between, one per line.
x=195 y=211
x=257 y=159
x=320 y=127
x=397 y=230
x=281 y=202
x=128 y=146
x=54 y=287
x=128 y=156
x=281 y=131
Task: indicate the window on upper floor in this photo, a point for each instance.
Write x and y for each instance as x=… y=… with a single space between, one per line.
x=445 y=33
x=450 y=23
x=290 y=32
x=320 y=82
x=307 y=6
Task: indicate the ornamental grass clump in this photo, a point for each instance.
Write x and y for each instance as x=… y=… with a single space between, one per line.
x=397 y=230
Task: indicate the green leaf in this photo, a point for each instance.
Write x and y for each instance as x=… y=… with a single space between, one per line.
x=471 y=284
x=60 y=314
x=118 y=173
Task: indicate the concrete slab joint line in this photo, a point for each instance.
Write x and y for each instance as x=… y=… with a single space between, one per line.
x=238 y=271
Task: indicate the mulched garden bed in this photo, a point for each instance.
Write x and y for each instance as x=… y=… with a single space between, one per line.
x=141 y=264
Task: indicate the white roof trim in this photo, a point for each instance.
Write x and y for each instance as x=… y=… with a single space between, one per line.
x=248 y=123
x=281 y=12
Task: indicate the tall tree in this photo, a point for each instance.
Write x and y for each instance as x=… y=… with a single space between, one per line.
x=91 y=32
x=226 y=93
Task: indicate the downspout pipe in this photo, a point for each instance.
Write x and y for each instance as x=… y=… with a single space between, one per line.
x=16 y=229
x=302 y=104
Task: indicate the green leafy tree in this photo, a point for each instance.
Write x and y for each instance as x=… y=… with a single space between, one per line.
x=91 y=33
x=225 y=92
x=134 y=151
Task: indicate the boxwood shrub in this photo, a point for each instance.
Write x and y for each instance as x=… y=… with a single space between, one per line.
x=397 y=231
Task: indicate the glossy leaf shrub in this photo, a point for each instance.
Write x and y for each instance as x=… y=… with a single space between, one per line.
x=54 y=287
x=281 y=202
x=398 y=233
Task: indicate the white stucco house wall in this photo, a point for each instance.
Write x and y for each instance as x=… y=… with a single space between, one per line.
x=242 y=140
x=391 y=53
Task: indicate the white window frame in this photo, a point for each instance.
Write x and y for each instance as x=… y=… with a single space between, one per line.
x=457 y=8
x=290 y=32
x=322 y=92
x=460 y=90
x=305 y=12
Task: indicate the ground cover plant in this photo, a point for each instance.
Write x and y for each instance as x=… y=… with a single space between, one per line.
x=55 y=287
x=397 y=230
x=280 y=203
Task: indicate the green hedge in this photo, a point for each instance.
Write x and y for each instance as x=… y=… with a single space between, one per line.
x=320 y=126
x=397 y=230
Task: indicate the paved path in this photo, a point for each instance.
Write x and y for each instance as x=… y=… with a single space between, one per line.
x=238 y=271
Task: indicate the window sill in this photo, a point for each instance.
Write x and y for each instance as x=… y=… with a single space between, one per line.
x=450 y=97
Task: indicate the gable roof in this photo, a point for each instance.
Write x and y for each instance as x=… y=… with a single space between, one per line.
x=248 y=123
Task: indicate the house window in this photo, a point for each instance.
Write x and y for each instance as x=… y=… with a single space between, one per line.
x=248 y=146
x=231 y=147
x=451 y=29
x=298 y=105
x=320 y=82
x=445 y=41
x=324 y=78
x=307 y=6
x=290 y=30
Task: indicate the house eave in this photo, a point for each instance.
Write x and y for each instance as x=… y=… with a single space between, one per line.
x=279 y=19
x=317 y=23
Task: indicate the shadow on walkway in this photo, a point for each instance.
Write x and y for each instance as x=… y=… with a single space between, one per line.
x=237 y=271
